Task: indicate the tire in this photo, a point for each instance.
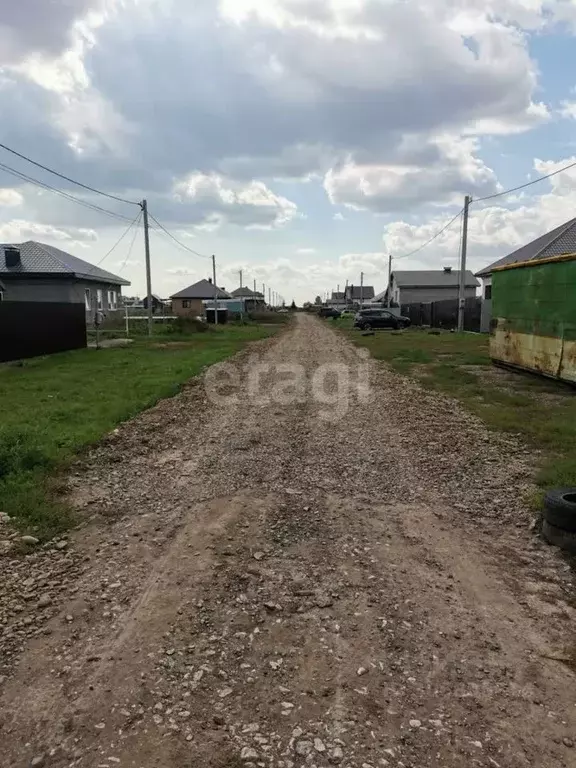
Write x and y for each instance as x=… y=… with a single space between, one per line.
x=560 y=508
x=367 y=327
x=566 y=540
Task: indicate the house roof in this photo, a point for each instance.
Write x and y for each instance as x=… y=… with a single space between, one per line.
x=554 y=243
x=433 y=278
x=41 y=259
x=338 y=295
x=203 y=289
x=356 y=292
x=246 y=293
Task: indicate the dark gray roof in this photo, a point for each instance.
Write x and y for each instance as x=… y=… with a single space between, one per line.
x=203 y=289
x=433 y=278
x=554 y=243
x=338 y=295
x=246 y=293
x=41 y=259
x=355 y=292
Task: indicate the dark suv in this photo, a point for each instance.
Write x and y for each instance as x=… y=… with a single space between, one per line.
x=329 y=312
x=367 y=319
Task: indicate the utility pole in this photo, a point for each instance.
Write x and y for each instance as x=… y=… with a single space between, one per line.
x=361 y=290
x=215 y=290
x=346 y=294
x=240 y=273
x=462 y=283
x=144 y=206
x=269 y=296
x=254 y=286
x=389 y=279
x=264 y=292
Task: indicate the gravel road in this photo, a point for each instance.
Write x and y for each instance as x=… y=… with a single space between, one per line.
x=293 y=574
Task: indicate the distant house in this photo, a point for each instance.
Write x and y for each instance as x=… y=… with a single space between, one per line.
x=424 y=286
x=355 y=294
x=554 y=243
x=36 y=272
x=252 y=299
x=189 y=301
x=158 y=304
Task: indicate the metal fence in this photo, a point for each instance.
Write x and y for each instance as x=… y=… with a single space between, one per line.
x=444 y=314
x=31 y=328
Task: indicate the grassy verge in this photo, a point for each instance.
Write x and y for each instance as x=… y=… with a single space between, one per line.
x=542 y=411
x=54 y=406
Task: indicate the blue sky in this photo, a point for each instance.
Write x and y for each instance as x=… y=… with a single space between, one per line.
x=300 y=141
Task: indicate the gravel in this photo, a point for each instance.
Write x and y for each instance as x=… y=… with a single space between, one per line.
x=257 y=584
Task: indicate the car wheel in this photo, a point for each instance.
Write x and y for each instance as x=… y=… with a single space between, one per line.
x=560 y=508
x=367 y=327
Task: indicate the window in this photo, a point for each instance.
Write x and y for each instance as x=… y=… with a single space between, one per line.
x=112 y=299
x=185 y=304
x=488 y=291
x=99 y=297
x=1 y=295
x=87 y=299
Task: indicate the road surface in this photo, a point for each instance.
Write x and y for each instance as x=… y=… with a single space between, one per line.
x=289 y=568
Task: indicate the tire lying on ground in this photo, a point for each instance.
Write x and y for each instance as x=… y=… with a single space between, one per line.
x=560 y=508
x=564 y=539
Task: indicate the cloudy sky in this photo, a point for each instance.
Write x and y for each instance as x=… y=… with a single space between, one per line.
x=299 y=140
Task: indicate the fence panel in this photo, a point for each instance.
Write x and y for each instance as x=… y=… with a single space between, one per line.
x=30 y=328
x=444 y=314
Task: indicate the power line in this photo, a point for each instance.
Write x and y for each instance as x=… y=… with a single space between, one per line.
x=431 y=240
x=43 y=185
x=523 y=186
x=131 y=244
x=122 y=236
x=67 y=178
x=191 y=250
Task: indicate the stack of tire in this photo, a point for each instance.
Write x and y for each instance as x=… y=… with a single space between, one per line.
x=559 y=525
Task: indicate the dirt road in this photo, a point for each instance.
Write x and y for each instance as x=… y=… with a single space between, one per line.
x=308 y=581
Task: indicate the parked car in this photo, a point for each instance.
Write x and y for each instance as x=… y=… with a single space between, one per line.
x=367 y=319
x=329 y=312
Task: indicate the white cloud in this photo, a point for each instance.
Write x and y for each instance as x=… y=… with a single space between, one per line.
x=215 y=198
x=19 y=230
x=568 y=109
x=451 y=171
x=305 y=251
x=10 y=198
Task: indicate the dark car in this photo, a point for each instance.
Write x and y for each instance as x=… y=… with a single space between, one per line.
x=367 y=319
x=329 y=312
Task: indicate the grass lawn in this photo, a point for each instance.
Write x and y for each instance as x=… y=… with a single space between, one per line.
x=542 y=411
x=54 y=406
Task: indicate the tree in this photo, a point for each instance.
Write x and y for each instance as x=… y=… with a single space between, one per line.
x=293 y=305
x=317 y=300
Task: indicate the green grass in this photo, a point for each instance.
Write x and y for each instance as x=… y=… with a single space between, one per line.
x=541 y=411
x=53 y=407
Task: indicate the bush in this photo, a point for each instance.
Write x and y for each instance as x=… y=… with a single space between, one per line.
x=269 y=318
x=184 y=325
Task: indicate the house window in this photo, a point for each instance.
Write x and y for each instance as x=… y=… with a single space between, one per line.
x=99 y=297
x=488 y=291
x=112 y=299
x=1 y=295
x=87 y=299
x=185 y=304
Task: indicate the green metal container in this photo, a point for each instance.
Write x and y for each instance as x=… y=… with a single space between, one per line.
x=534 y=311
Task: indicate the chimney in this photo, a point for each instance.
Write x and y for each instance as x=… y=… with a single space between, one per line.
x=448 y=270
x=210 y=280
x=12 y=257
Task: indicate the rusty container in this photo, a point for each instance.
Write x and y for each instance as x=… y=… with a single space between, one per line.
x=534 y=316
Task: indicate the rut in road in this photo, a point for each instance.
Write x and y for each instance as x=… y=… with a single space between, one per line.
x=304 y=581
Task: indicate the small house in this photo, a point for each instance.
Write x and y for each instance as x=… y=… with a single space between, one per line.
x=36 y=272
x=426 y=286
x=190 y=300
